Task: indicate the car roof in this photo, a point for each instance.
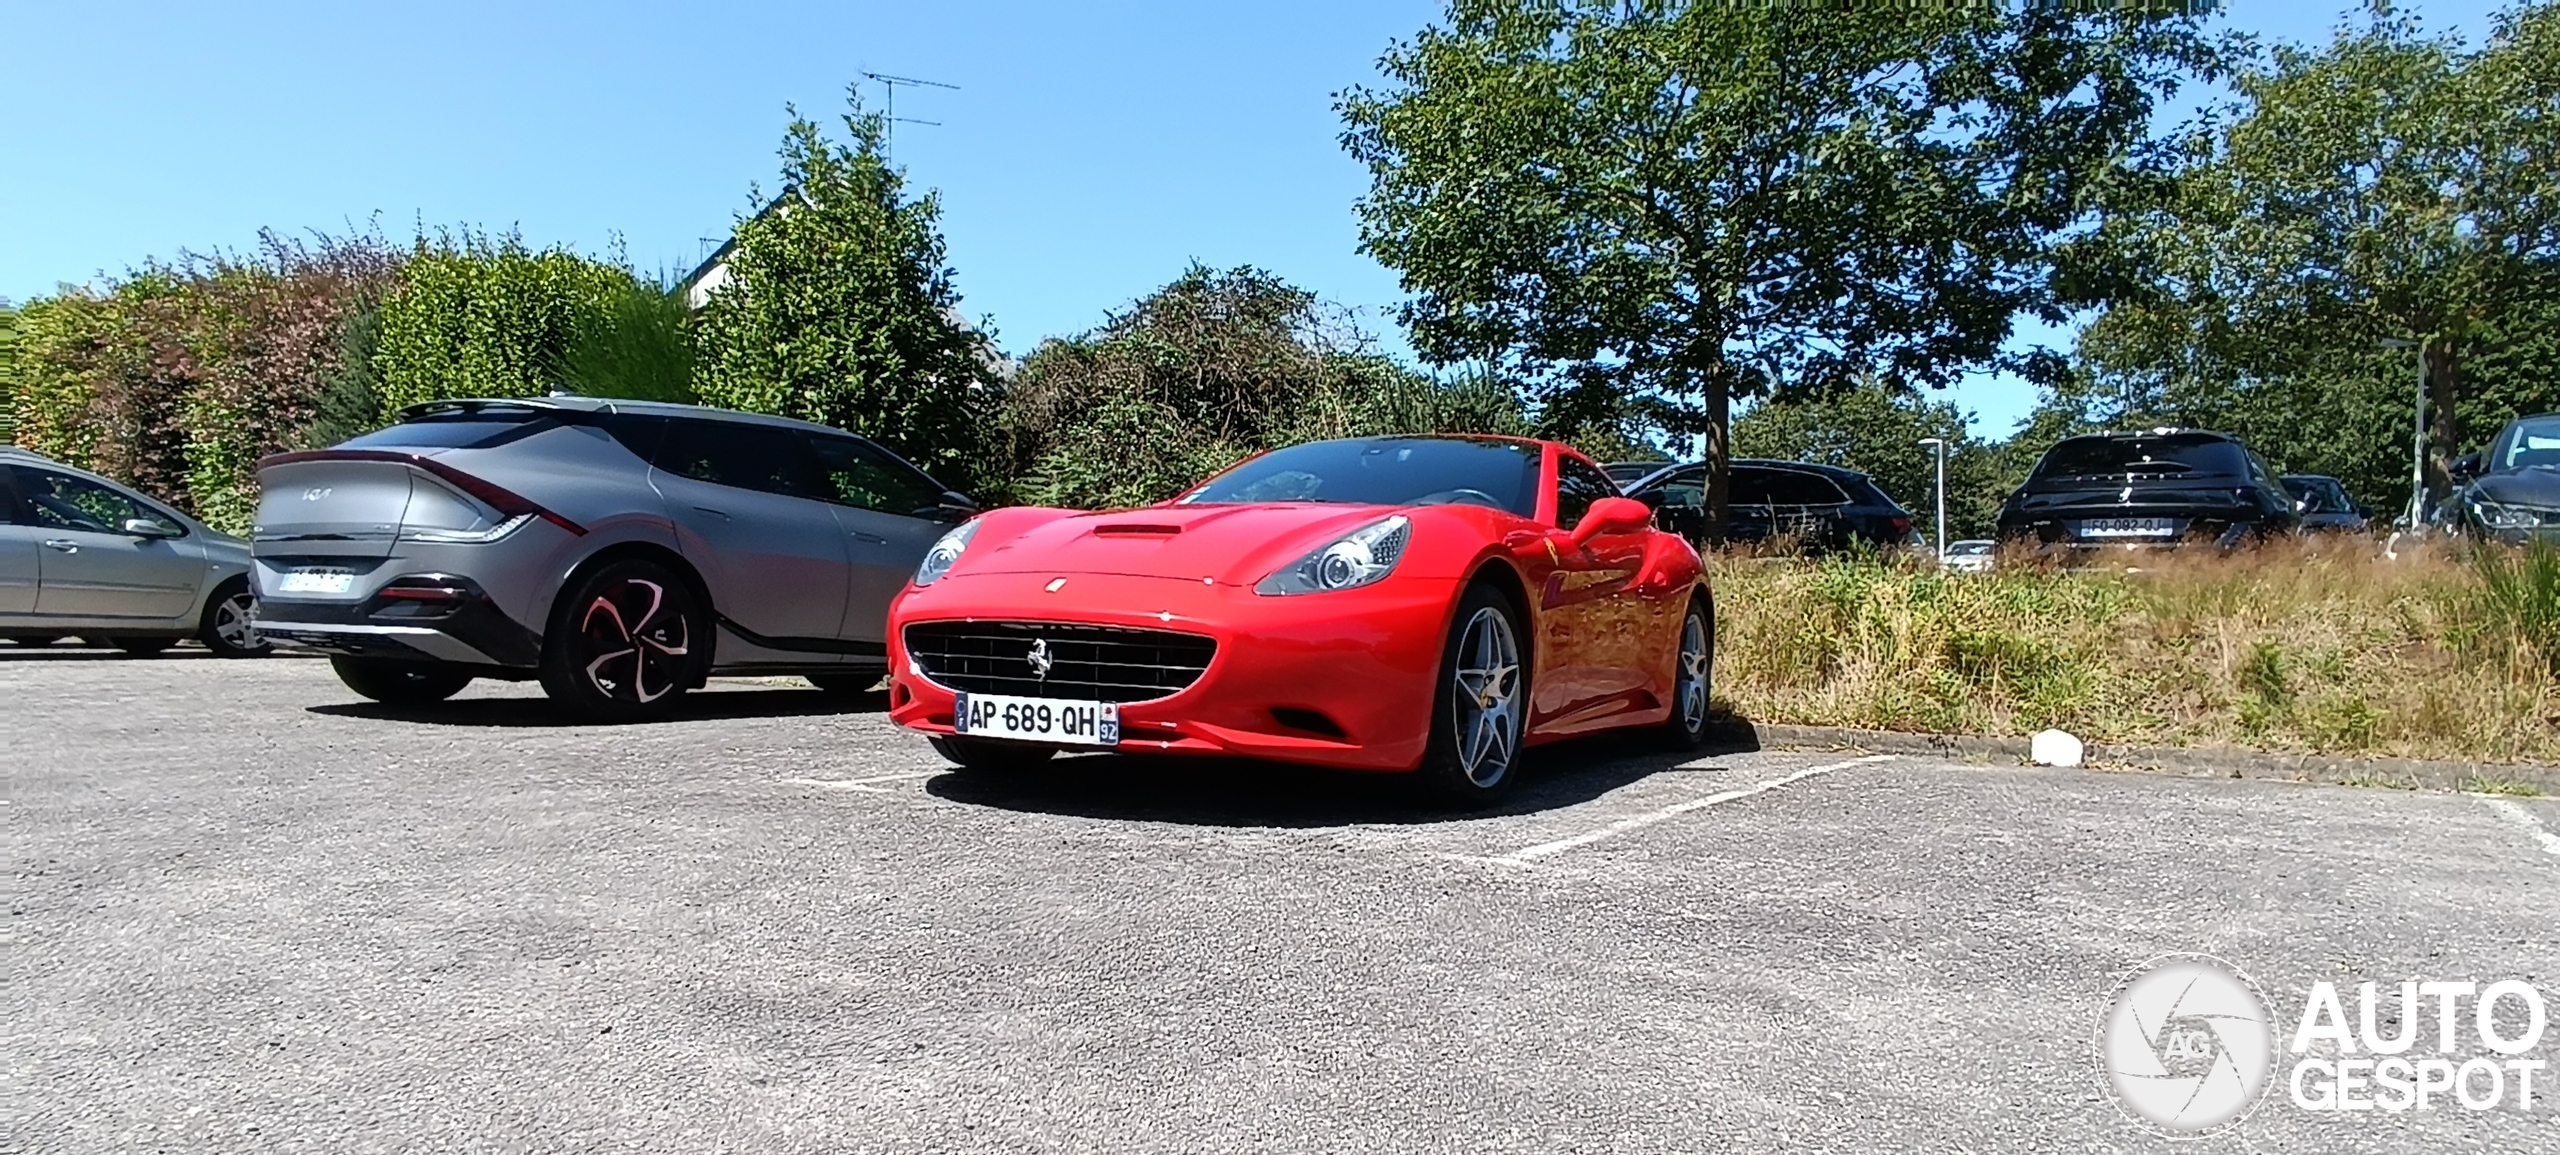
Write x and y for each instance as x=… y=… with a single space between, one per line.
x=23 y=451
x=1832 y=471
x=577 y=404
x=2157 y=431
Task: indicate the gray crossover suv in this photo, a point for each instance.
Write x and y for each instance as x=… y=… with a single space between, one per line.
x=619 y=551
x=80 y=554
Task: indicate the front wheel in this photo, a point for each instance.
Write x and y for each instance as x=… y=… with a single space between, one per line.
x=1480 y=712
x=1692 y=679
x=623 y=644
x=983 y=756
x=226 y=630
x=394 y=683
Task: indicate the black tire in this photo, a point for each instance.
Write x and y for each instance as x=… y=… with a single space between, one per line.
x=225 y=628
x=985 y=756
x=35 y=640
x=1693 y=678
x=395 y=683
x=846 y=685
x=142 y=647
x=1480 y=707
x=624 y=644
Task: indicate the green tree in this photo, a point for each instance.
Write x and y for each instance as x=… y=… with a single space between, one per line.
x=1663 y=207
x=1877 y=432
x=1206 y=370
x=2390 y=184
x=487 y=316
x=840 y=308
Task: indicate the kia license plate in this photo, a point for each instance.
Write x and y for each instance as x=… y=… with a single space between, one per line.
x=1058 y=720
x=2129 y=527
x=317 y=581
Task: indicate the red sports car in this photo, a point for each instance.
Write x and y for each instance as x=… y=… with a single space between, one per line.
x=1381 y=603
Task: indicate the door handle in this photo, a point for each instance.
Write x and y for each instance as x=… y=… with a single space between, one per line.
x=722 y=514
x=60 y=544
x=872 y=538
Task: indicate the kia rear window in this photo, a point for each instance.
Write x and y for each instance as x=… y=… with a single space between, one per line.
x=2163 y=456
x=462 y=431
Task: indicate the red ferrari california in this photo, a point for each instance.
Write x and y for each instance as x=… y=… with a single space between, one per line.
x=1430 y=604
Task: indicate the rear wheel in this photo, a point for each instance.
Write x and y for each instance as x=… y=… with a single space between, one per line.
x=142 y=647
x=981 y=756
x=225 y=629
x=623 y=644
x=1692 y=679
x=1480 y=713
x=399 y=683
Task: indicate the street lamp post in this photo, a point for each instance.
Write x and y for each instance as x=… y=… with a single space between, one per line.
x=2418 y=436
x=1940 y=530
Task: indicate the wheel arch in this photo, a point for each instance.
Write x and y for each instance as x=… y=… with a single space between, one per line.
x=1506 y=581
x=655 y=554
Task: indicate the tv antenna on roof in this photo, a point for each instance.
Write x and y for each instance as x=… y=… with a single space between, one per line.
x=890 y=110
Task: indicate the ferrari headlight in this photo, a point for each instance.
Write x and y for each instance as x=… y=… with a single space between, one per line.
x=945 y=554
x=1365 y=555
x=2496 y=516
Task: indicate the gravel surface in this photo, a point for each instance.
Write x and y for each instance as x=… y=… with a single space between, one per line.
x=248 y=912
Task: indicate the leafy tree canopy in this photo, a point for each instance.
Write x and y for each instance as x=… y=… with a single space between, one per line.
x=1651 y=208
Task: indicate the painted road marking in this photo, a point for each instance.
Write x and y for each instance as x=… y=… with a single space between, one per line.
x=858 y=785
x=1527 y=855
x=2524 y=818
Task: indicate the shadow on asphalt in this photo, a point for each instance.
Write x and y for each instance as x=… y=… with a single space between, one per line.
x=502 y=713
x=1246 y=793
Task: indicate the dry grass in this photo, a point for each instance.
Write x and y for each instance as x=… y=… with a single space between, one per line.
x=2313 y=646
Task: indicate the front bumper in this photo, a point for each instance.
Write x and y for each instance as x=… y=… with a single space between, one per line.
x=1363 y=661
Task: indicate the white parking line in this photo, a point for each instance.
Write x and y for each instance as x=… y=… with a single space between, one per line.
x=2524 y=818
x=858 y=785
x=1527 y=855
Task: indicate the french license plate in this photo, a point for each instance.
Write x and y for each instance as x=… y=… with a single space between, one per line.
x=2129 y=527
x=317 y=581
x=1059 y=720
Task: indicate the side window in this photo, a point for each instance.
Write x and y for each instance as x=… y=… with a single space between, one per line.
x=744 y=456
x=1685 y=490
x=61 y=501
x=858 y=475
x=1749 y=485
x=1789 y=487
x=1578 y=484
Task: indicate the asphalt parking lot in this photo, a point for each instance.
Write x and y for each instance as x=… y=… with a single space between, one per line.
x=247 y=912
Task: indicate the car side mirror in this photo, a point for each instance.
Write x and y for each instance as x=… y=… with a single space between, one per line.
x=2465 y=467
x=955 y=507
x=146 y=527
x=2365 y=512
x=1611 y=515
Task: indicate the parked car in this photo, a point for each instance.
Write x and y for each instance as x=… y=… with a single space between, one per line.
x=2161 y=487
x=620 y=552
x=82 y=555
x=2324 y=505
x=1397 y=604
x=2510 y=492
x=1825 y=507
x=1627 y=473
x=1974 y=555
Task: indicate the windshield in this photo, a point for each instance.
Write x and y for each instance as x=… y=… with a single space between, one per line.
x=1386 y=471
x=2529 y=441
x=1631 y=472
x=2319 y=494
x=2165 y=454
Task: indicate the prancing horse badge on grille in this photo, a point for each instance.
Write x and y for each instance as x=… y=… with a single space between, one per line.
x=1039 y=658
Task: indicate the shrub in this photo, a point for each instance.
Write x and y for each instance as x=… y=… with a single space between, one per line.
x=483 y=316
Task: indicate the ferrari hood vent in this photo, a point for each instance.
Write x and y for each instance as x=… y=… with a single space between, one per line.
x=1135 y=529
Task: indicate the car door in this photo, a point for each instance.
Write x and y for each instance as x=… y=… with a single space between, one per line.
x=745 y=500
x=891 y=513
x=1808 y=507
x=1679 y=502
x=1591 y=622
x=18 y=557
x=87 y=566
x=1747 y=511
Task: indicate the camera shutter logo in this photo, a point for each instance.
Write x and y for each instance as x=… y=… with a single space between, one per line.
x=2186 y=1046
x=1040 y=659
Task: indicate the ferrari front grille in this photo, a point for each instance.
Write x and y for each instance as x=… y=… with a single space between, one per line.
x=1048 y=660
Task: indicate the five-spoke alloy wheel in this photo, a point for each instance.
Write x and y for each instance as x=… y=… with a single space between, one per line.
x=1692 y=677
x=1482 y=707
x=624 y=644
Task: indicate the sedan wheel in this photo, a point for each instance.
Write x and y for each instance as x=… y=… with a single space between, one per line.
x=1483 y=703
x=227 y=630
x=623 y=644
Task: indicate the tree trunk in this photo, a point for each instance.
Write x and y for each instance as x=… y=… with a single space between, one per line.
x=2444 y=428
x=1718 y=403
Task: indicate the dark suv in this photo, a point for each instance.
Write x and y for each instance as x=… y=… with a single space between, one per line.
x=1824 y=507
x=2161 y=487
x=2510 y=492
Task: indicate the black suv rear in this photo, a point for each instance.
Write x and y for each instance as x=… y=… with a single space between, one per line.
x=2156 y=488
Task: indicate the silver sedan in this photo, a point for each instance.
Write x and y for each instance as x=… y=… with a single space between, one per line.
x=82 y=555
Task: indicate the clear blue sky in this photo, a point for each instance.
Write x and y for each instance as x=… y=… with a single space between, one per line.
x=1091 y=151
